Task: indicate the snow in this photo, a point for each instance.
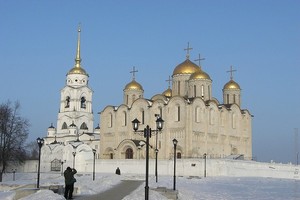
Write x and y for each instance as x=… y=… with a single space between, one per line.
x=189 y=188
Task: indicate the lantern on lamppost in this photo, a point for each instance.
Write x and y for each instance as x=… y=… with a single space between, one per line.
x=147 y=132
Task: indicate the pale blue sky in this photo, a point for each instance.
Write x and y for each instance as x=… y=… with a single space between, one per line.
x=261 y=39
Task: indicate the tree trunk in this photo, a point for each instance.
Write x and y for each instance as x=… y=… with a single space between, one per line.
x=1 y=176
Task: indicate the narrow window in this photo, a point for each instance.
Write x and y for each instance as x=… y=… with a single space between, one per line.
x=234 y=98
x=202 y=91
x=233 y=120
x=125 y=119
x=143 y=117
x=178 y=113
x=111 y=156
x=178 y=87
x=110 y=121
x=83 y=105
x=227 y=96
x=67 y=103
x=195 y=94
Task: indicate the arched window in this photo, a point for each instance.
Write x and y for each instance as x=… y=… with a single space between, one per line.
x=83 y=105
x=197 y=114
x=143 y=117
x=178 y=155
x=55 y=165
x=84 y=126
x=233 y=120
x=110 y=120
x=195 y=91
x=64 y=126
x=111 y=155
x=124 y=119
x=202 y=91
x=211 y=116
x=177 y=114
x=129 y=153
x=178 y=87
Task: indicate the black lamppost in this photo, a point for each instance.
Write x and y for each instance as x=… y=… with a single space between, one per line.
x=174 y=177
x=147 y=134
x=40 y=142
x=204 y=156
x=94 y=152
x=62 y=168
x=14 y=174
x=156 y=152
x=74 y=154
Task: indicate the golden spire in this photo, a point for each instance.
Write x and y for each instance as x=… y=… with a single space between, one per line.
x=78 y=59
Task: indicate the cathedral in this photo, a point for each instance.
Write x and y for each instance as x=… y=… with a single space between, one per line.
x=191 y=115
x=198 y=121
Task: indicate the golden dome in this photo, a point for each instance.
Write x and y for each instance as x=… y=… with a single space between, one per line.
x=77 y=70
x=168 y=92
x=232 y=85
x=199 y=75
x=133 y=85
x=187 y=67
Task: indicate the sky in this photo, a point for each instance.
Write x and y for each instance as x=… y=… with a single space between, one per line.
x=198 y=188
x=260 y=39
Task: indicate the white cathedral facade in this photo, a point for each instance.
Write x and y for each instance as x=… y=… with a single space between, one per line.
x=200 y=123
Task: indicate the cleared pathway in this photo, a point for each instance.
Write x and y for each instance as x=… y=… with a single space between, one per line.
x=116 y=193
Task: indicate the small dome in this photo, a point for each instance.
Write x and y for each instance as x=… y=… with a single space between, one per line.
x=199 y=75
x=133 y=85
x=167 y=93
x=187 y=67
x=232 y=85
x=77 y=70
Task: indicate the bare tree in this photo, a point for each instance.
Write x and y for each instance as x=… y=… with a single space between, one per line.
x=13 y=134
x=32 y=151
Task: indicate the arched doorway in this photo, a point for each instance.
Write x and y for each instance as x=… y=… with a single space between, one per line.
x=129 y=153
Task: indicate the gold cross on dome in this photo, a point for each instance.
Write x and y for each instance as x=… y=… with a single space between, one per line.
x=199 y=60
x=231 y=72
x=133 y=73
x=188 y=51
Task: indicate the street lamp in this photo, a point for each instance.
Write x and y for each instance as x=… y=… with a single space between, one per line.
x=74 y=154
x=159 y=120
x=147 y=134
x=174 y=177
x=14 y=174
x=62 y=168
x=40 y=142
x=94 y=152
x=204 y=156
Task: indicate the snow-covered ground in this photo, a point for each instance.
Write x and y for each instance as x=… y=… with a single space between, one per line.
x=209 y=188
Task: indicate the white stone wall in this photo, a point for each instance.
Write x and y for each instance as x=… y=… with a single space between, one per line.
x=184 y=167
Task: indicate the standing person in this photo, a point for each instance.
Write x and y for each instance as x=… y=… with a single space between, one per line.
x=69 y=182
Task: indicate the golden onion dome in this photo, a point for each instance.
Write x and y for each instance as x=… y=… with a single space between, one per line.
x=199 y=75
x=167 y=93
x=133 y=85
x=77 y=70
x=232 y=85
x=186 y=67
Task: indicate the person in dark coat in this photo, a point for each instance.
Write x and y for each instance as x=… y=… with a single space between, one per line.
x=69 y=182
x=118 y=171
